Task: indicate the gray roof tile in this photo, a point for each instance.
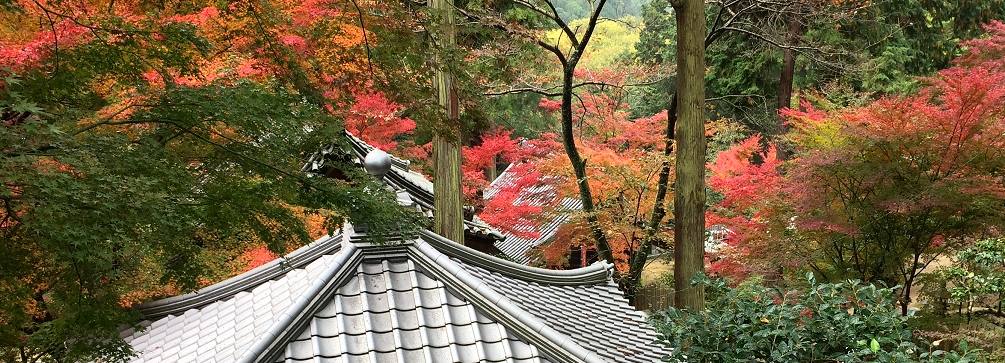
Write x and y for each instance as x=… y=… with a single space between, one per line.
x=359 y=321
x=619 y=333
x=425 y=301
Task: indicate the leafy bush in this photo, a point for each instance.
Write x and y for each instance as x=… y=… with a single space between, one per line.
x=843 y=322
x=978 y=276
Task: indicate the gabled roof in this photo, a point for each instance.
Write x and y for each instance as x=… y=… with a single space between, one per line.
x=344 y=299
x=518 y=246
x=401 y=178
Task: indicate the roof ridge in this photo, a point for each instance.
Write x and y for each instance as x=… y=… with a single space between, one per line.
x=492 y=188
x=291 y=321
x=558 y=345
x=243 y=282
x=598 y=272
x=437 y=265
x=366 y=147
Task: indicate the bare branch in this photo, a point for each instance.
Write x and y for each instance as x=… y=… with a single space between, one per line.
x=553 y=16
x=554 y=49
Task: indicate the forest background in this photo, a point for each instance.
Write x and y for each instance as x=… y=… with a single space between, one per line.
x=151 y=148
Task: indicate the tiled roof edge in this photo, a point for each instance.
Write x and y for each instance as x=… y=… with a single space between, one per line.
x=295 y=318
x=364 y=148
x=599 y=272
x=555 y=344
x=243 y=282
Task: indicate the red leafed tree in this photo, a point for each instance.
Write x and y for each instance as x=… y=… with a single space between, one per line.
x=519 y=201
x=376 y=120
x=624 y=156
x=494 y=147
x=877 y=192
x=513 y=207
x=748 y=177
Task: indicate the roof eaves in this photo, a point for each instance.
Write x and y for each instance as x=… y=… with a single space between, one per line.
x=296 y=317
x=246 y=281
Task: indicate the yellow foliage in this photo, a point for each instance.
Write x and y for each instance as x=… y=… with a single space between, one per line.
x=611 y=39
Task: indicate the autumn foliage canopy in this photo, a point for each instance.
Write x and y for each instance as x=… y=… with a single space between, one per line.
x=875 y=192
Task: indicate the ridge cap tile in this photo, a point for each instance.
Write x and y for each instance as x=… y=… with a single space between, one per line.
x=397 y=309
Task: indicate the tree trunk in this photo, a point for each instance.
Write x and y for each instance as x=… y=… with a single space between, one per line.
x=788 y=74
x=630 y=283
x=905 y=303
x=579 y=166
x=788 y=69
x=909 y=284
x=689 y=192
x=449 y=215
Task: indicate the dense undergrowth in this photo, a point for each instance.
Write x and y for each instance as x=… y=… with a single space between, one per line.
x=849 y=321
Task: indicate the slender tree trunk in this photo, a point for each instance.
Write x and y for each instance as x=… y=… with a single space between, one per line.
x=906 y=302
x=579 y=166
x=788 y=69
x=909 y=285
x=449 y=215
x=689 y=191
x=630 y=283
x=568 y=138
x=788 y=74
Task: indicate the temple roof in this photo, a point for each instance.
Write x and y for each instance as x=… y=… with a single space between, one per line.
x=401 y=178
x=423 y=299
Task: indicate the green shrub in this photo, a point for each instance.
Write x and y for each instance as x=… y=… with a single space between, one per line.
x=843 y=322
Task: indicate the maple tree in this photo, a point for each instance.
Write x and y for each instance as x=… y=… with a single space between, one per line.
x=569 y=59
x=378 y=121
x=625 y=155
x=879 y=192
x=752 y=208
x=146 y=146
x=567 y=82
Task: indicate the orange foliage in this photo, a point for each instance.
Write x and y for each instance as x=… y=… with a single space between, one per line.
x=624 y=156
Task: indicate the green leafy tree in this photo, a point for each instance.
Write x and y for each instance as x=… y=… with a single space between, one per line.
x=142 y=146
x=978 y=276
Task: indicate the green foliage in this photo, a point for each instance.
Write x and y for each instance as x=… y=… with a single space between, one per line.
x=198 y=171
x=977 y=277
x=117 y=187
x=657 y=41
x=879 y=48
x=520 y=112
x=846 y=322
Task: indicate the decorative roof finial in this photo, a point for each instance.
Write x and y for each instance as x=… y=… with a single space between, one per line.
x=377 y=163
